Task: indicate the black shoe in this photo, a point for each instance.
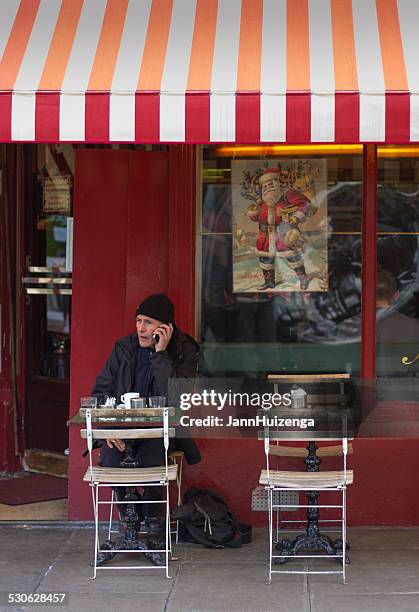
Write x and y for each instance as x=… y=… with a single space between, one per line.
x=304 y=283
x=154 y=524
x=269 y=278
x=266 y=285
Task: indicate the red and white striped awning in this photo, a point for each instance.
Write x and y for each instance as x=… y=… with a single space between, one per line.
x=248 y=71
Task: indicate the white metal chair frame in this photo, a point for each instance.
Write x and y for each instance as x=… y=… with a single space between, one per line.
x=94 y=474
x=339 y=487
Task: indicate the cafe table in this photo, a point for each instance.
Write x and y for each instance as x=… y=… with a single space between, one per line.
x=116 y=418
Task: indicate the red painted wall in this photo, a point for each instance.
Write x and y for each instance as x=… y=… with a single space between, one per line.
x=120 y=253
x=124 y=201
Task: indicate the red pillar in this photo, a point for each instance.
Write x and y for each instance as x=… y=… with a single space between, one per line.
x=11 y=418
x=181 y=213
x=369 y=261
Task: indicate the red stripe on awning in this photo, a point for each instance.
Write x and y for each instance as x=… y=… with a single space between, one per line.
x=298 y=118
x=97 y=117
x=397 y=117
x=147 y=117
x=248 y=118
x=197 y=117
x=5 y=117
x=47 y=117
x=347 y=117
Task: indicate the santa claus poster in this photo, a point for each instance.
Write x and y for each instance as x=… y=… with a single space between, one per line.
x=279 y=225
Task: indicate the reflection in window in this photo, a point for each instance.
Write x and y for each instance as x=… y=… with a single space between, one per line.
x=397 y=278
x=285 y=329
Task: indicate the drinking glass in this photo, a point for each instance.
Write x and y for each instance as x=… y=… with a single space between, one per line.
x=88 y=402
x=157 y=401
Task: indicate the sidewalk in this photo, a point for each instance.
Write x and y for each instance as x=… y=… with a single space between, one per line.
x=383 y=575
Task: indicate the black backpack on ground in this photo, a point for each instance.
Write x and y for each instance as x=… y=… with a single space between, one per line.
x=204 y=518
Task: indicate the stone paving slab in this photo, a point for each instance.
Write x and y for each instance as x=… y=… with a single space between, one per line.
x=371 y=571
x=235 y=587
x=15 y=539
x=364 y=603
x=114 y=602
x=26 y=555
x=72 y=571
x=369 y=538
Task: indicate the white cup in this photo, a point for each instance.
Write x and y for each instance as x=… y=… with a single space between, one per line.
x=127 y=397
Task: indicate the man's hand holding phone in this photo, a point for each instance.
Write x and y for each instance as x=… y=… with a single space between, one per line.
x=162 y=336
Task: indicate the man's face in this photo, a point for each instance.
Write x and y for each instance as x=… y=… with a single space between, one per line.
x=271 y=188
x=145 y=328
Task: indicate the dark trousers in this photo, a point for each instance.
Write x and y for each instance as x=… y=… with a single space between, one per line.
x=148 y=453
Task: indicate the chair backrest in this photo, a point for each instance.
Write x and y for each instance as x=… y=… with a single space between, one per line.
x=336 y=450
x=129 y=433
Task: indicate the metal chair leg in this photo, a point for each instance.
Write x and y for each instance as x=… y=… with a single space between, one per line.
x=270 y=534
x=344 y=535
x=111 y=514
x=179 y=493
x=96 y=512
x=168 y=534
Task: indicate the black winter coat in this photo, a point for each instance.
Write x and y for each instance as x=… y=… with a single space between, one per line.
x=179 y=360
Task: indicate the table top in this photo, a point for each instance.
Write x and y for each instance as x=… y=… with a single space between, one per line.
x=307 y=378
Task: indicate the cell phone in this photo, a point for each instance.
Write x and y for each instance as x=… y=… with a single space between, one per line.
x=156 y=337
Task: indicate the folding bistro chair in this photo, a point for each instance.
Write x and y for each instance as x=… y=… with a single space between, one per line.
x=103 y=477
x=281 y=481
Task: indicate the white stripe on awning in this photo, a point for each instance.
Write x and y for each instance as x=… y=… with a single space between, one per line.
x=175 y=73
x=273 y=71
x=321 y=71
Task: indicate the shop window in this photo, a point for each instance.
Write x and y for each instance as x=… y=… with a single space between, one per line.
x=305 y=314
x=397 y=323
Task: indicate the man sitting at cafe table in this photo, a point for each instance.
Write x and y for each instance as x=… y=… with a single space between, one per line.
x=140 y=363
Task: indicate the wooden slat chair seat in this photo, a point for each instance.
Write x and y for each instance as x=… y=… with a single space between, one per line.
x=130 y=475
x=306 y=480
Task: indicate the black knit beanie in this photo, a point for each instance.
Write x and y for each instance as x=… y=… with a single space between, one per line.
x=157 y=306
